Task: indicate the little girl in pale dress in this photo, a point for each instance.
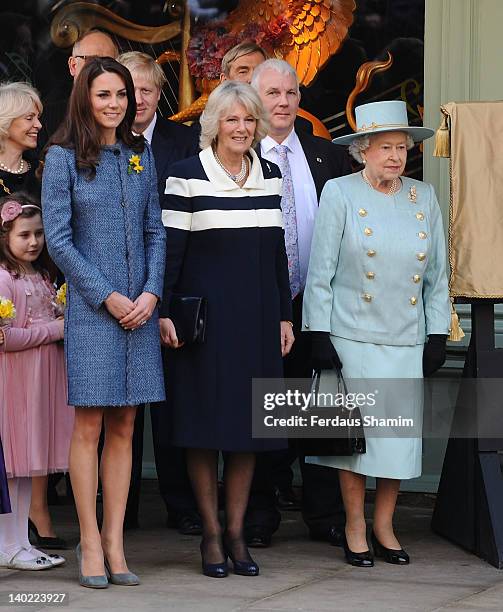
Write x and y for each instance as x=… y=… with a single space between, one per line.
x=35 y=421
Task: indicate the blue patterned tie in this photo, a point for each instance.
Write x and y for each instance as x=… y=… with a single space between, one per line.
x=289 y=220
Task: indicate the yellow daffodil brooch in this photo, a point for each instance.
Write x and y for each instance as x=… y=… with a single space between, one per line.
x=134 y=164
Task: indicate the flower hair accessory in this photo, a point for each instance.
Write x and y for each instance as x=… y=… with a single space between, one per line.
x=12 y=209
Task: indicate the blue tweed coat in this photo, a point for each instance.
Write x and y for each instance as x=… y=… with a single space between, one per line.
x=106 y=235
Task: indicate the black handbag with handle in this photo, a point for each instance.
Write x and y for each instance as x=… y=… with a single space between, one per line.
x=188 y=314
x=351 y=438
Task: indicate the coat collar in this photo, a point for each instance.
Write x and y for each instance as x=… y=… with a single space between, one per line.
x=222 y=182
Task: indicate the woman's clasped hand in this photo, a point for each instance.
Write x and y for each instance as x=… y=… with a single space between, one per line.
x=131 y=314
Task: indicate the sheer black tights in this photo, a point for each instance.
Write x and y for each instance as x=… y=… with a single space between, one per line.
x=202 y=466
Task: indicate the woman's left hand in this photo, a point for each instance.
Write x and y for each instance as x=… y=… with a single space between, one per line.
x=434 y=354
x=144 y=306
x=287 y=338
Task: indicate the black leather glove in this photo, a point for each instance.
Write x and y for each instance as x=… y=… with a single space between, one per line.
x=323 y=354
x=434 y=354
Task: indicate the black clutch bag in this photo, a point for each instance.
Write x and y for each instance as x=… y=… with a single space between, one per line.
x=188 y=314
x=351 y=438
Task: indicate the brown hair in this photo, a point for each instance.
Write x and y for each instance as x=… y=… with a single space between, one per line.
x=44 y=263
x=80 y=130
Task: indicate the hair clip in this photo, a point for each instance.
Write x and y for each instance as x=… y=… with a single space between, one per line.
x=12 y=209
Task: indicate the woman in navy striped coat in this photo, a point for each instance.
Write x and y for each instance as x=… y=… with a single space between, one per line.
x=226 y=243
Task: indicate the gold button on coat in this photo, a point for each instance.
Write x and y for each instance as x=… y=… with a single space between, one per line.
x=422 y=235
x=362 y=212
x=413 y=301
x=371 y=275
x=420 y=216
x=367 y=231
x=421 y=256
x=367 y=297
x=371 y=252
x=416 y=278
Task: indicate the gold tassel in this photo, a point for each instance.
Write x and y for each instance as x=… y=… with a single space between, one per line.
x=442 y=138
x=456 y=332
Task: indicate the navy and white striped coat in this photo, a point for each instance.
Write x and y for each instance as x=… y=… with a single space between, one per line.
x=224 y=243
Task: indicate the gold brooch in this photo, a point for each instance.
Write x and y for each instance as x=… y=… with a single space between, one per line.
x=413 y=194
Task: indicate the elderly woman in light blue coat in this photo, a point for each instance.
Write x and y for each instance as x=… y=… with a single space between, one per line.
x=376 y=301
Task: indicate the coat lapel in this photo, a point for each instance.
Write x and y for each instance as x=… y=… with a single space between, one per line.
x=316 y=163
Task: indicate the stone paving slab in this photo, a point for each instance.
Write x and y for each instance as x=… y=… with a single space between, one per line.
x=296 y=573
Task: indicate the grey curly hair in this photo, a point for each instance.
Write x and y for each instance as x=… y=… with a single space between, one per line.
x=361 y=143
x=221 y=100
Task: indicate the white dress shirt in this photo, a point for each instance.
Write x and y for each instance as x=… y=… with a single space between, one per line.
x=306 y=198
x=148 y=132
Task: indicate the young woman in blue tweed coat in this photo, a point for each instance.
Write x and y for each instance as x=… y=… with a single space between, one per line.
x=104 y=230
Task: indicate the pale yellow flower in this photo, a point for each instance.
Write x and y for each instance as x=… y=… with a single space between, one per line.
x=7 y=309
x=61 y=295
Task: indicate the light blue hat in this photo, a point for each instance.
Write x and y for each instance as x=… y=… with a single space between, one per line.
x=388 y=116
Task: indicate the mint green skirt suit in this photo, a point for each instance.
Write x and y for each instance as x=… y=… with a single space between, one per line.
x=377 y=282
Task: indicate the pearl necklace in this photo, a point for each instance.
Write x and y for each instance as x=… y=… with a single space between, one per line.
x=19 y=170
x=393 y=188
x=240 y=176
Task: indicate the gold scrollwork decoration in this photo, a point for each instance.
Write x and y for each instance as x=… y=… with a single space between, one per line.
x=363 y=79
x=410 y=86
x=74 y=19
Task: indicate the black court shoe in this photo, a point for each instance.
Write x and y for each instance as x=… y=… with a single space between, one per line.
x=390 y=555
x=213 y=570
x=363 y=559
x=242 y=567
x=46 y=542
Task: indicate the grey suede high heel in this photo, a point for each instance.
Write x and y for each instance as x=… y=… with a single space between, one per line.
x=91 y=582
x=124 y=579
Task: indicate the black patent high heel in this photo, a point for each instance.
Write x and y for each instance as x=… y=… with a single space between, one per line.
x=48 y=542
x=245 y=567
x=390 y=555
x=213 y=570
x=362 y=559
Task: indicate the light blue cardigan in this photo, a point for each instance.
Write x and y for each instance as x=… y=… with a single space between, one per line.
x=377 y=271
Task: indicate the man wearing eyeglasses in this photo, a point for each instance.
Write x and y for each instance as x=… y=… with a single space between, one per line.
x=93 y=43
